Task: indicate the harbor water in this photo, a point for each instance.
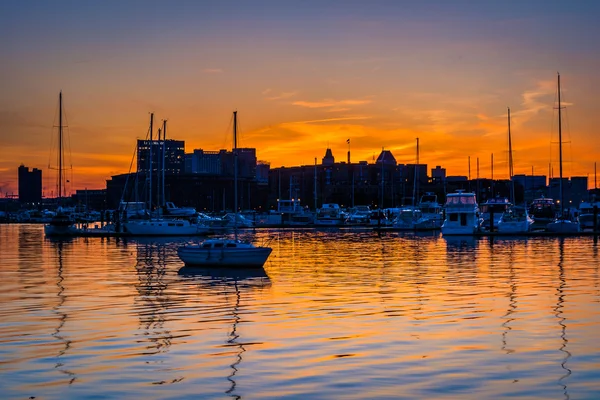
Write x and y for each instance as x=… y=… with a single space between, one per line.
x=334 y=314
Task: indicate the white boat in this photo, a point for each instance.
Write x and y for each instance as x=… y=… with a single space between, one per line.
x=462 y=214
x=359 y=215
x=330 y=214
x=378 y=218
x=515 y=220
x=62 y=222
x=431 y=212
x=495 y=207
x=291 y=212
x=407 y=218
x=233 y=220
x=226 y=252
x=165 y=227
x=562 y=224
x=586 y=215
x=172 y=210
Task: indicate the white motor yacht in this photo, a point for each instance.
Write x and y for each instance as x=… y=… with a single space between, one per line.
x=515 y=220
x=462 y=214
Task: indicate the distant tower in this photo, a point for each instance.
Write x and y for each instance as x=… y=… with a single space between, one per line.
x=328 y=160
x=30 y=185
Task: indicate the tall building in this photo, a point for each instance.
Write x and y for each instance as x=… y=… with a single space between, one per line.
x=30 y=185
x=221 y=162
x=205 y=162
x=174 y=156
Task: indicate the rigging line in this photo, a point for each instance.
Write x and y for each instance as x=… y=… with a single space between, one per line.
x=66 y=125
x=129 y=174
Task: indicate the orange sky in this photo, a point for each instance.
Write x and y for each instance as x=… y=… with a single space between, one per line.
x=302 y=77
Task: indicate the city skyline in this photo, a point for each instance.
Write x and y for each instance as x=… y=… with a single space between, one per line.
x=304 y=77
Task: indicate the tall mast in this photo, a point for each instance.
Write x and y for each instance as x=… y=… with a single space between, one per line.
x=560 y=151
x=416 y=181
x=164 y=144
x=510 y=161
x=315 y=184
x=160 y=164
x=235 y=174
x=150 y=164
x=60 y=146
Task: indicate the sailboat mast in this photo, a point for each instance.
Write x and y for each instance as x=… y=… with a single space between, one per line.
x=510 y=161
x=560 y=151
x=235 y=174
x=164 y=159
x=416 y=181
x=150 y=164
x=60 y=146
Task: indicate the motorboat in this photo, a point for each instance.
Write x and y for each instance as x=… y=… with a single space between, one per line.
x=431 y=212
x=462 y=214
x=407 y=218
x=542 y=211
x=493 y=208
x=359 y=215
x=586 y=215
x=515 y=220
x=330 y=214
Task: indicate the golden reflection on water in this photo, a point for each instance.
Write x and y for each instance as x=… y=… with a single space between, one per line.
x=333 y=314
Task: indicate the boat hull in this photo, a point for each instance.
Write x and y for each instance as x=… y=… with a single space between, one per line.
x=225 y=257
x=60 y=230
x=165 y=228
x=514 y=227
x=562 y=226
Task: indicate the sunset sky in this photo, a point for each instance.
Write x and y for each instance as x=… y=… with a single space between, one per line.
x=304 y=76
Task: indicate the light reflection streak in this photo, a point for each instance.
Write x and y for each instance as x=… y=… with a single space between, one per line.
x=238 y=279
x=151 y=270
x=63 y=316
x=558 y=310
x=512 y=299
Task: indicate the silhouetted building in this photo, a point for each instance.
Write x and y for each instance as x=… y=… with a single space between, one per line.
x=579 y=190
x=90 y=199
x=262 y=172
x=205 y=162
x=221 y=162
x=438 y=174
x=30 y=185
x=328 y=160
x=204 y=192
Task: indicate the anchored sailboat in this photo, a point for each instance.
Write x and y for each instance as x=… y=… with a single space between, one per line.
x=63 y=222
x=515 y=219
x=226 y=252
x=561 y=224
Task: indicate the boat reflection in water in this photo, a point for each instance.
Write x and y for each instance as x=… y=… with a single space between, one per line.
x=238 y=281
x=59 y=311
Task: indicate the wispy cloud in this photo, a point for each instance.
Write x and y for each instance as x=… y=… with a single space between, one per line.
x=331 y=103
x=281 y=96
x=212 y=70
x=317 y=121
x=535 y=100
